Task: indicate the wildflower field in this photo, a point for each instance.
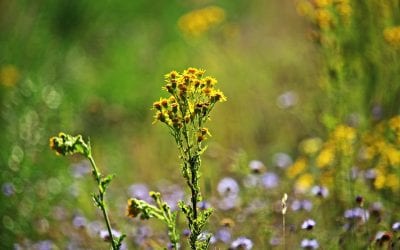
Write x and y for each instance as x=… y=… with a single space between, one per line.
x=200 y=124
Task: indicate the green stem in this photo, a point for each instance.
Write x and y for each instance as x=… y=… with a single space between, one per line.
x=102 y=203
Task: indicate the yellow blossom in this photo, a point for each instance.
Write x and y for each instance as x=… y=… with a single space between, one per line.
x=304 y=182
x=344 y=133
x=392 y=36
x=392 y=154
x=311 y=146
x=325 y=157
x=393 y=182
x=394 y=123
x=197 y=22
x=298 y=166
x=380 y=179
x=322 y=3
x=323 y=18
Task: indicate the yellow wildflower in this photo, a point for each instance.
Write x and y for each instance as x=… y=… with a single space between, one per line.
x=392 y=36
x=394 y=123
x=197 y=22
x=311 y=146
x=298 y=166
x=344 y=133
x=304 y=182
x=322 y=3
x=393 y=182
x=380 y=179
x=323 y=18
x=325 y=157
x=392 y=154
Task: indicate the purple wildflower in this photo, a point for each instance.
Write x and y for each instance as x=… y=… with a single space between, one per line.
x=256 y=166
x=309 y=244
x=223 y=235
x=8 y=189
x=270 y=180
x=228 y=187
x=242 y=243
x=282 y=160
x=396 y=226
x=320 y=191
x=308 y=224
x=298 y=205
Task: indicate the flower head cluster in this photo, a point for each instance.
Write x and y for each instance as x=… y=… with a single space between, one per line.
x=322 y=156
x=380 y=146
x=192 y=98
x=65 y=144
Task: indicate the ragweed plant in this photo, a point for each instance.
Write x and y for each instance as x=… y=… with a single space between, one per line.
x=65 y=144
x=185 y=112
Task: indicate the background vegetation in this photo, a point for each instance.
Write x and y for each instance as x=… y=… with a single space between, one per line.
x=313 y=96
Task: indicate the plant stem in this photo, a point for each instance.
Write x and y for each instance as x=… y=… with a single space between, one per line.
x=102 y=203
x=284 y=231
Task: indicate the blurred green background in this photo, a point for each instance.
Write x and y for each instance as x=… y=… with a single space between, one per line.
x=95 y=68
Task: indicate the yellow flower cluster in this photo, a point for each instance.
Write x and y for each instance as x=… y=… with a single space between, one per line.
x=197 y=22
x=392 y=36
x=340 y=143
x=192 y=98
x=320 y=157
x=324 y=12
x=381 y=149
x=378 y=149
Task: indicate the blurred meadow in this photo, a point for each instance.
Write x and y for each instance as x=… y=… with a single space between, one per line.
x=313 y=89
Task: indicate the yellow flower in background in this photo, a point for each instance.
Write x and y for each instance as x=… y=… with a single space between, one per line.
x=322 y=3
x=304 y=182
x=344 y=9
x=344 y=133
x=9 y=75
x=392 y=36
x=344 y=137
x=298 y=166
x=393 y=182
x=311 y=146
x=392 y=154
x=325 y=157
x=380 y=179
x=323 y=18
x=197 y=22
x=394 y=123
